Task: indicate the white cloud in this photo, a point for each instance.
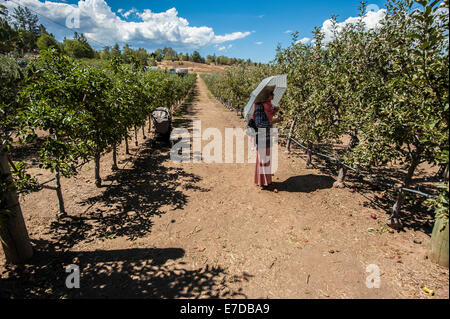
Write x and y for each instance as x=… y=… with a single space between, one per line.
x=261 y=16
x=371 y=19
x=304 y=40
x=231 y=37
x=288 y=31
x=100 y=24
x=129 y=12
x=259 y=43
x=223 y=48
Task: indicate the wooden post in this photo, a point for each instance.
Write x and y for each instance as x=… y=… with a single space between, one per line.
x=13 y=232
x=291 y=130
x=135 y=136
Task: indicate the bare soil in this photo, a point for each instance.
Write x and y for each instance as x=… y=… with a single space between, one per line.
x=159 y=229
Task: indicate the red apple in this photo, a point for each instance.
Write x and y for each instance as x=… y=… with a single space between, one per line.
x=374 y=216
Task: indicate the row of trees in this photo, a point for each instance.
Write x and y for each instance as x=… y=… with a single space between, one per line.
x=170 y=54
x=21 y=32
x=85 y=111
x=386 y=88
x=237 y=83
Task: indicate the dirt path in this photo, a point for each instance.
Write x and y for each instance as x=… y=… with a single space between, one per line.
x=162 y=229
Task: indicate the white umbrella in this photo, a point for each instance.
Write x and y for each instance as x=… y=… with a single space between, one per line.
x=277 y=83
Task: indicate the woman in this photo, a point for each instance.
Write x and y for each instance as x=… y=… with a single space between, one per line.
x=263 y=116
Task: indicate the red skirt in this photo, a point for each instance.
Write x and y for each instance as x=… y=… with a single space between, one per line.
x=263 y=169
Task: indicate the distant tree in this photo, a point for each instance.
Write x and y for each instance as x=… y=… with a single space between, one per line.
x=97 y=54
x=169 y=54
x=43 y=30
x=211 y=59
x=26 y=24
x=46 y=41
x=223 y=60
x=196 y=57
x=158 y=55
x=142 y=55
x=116 y=51
x=8 y=36
x=106 y=53
x=24 y=19
x=127 y=52
x=76 y=49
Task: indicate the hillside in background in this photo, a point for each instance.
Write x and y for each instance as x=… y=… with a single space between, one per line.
x=193 y=67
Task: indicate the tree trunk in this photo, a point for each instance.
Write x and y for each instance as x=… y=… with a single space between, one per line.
x=13 y=232
x=340 y=183
x=309 y=155
x=442 y=174
x=291 y=130
x=439 y=242
x=62 y=211
x=98 y=180
x=143 y=132
x=127 y=147
x=114 y=154
x=394 y=220
x=136 y=136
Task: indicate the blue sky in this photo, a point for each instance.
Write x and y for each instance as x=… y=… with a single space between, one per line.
x=244 y=29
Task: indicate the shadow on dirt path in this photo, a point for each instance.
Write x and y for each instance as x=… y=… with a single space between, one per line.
x=128 y=273
x=304 y=183
x=134 y=195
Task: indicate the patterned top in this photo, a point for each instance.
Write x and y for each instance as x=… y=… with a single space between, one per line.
x=264 y=113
